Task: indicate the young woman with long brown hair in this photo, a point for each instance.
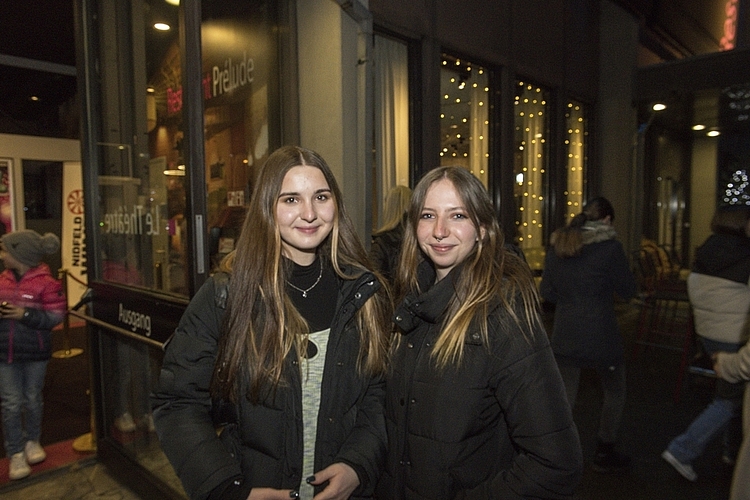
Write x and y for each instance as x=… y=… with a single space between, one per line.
x=300 y=352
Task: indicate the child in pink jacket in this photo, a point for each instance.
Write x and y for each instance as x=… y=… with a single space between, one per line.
x=31 y=304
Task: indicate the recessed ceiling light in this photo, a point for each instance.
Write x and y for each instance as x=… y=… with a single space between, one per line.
x=34 y=98
x=713 y=133
x=659 y=106
x=161 y=26
x=698 y=126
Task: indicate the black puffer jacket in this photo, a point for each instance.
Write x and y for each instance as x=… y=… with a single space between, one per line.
x=386 y=248
x=583 y=288
x=265 y=447
x=498 y=427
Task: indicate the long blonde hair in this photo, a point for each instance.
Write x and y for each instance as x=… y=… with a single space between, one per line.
x=261 y=325
x=491 y=274
x=396 y=203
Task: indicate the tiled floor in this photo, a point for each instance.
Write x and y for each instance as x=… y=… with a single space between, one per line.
x=652 y=419
x=86 y=480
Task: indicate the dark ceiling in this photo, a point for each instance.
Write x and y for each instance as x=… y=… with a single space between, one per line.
x=40 y=32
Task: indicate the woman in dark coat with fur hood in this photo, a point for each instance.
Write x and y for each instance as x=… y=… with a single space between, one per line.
x=584 y=269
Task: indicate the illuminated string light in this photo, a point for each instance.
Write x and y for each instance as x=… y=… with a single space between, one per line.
x=464 y=118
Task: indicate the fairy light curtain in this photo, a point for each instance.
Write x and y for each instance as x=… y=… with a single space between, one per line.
x=391 y=95
x=575 y=141
x=531 y=131
x=464 y=117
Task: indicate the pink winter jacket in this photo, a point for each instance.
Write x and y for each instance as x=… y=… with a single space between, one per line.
x=30 y=338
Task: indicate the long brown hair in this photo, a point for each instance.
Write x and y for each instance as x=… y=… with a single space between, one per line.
x=490 y=272
x=261 y=325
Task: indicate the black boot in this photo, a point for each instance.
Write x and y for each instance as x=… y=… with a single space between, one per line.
x=608 y=460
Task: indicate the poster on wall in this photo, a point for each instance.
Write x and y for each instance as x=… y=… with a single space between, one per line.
x=6 y=196
x=73 y=240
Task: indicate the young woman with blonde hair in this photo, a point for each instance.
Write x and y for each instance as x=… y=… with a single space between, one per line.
x=475 y=405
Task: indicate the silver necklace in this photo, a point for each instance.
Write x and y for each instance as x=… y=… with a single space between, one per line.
x=304 y=292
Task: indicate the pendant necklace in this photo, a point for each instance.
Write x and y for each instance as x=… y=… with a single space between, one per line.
x=304 y=292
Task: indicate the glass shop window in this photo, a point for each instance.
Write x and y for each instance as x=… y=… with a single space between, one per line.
x=42 y=201
x=143 y=175
x=530 y=169
x=464 y=116
x=237 y=53
x=142 y=196
x=576 y=135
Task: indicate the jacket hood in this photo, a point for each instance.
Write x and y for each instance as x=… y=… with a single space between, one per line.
x=597 y=231
x=724 y=255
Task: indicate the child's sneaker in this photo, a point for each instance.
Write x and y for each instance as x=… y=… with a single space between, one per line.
x=34 y=452
x=19 y=469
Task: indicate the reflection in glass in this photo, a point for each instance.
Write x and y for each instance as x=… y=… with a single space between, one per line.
x=132 y=368
x=236 y=61
x=530 y=160
x=162 y=101
x=464 y=116
x=576 y=131
x=140 y=210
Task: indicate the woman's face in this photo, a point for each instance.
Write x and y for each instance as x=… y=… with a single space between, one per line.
x=305 y=212
x=445 y=232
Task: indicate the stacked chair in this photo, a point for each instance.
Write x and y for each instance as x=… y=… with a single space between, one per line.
x=665 y=320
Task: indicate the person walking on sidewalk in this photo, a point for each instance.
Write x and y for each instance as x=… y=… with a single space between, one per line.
x=31 y=304
x=719 y=291
x=584 y=269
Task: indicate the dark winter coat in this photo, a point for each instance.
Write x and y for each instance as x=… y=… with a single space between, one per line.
x=265 y=446
x=385 y=249
x=583 y=290
x=498 y=427
x=30 y=338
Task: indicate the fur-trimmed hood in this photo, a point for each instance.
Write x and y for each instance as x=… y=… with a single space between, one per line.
x=596 y=231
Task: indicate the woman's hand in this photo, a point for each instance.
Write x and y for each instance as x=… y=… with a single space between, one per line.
x=271 y=494
x=717 y=369
x=342 y=481
x=9 y=311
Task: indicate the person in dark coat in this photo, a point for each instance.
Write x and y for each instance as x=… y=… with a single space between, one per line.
x=293 y=351
x=386 y=241
x=32 y=302
x=475 y=407
x=583 y=270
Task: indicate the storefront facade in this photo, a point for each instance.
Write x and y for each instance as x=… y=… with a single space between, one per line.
x=535 y=98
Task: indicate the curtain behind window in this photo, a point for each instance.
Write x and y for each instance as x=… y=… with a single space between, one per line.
x=391 y=93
